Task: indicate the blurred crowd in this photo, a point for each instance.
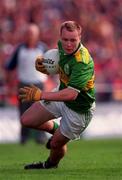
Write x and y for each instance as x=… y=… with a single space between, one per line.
x=102 y=35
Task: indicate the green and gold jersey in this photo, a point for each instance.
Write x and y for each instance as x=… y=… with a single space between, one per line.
x=77 y=71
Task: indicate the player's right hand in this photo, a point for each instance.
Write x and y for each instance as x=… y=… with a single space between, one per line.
x=30 y=93
x=39 y=65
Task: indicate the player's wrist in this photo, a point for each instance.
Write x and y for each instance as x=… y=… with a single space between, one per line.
x=38 y=95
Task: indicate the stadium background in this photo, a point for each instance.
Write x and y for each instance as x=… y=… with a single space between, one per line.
x=102 y=24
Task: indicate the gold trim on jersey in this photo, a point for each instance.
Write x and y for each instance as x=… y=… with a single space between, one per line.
x=63 y=77
x=90 y=84
x=82 y=55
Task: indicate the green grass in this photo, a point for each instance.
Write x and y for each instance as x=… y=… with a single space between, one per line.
x=85 y=160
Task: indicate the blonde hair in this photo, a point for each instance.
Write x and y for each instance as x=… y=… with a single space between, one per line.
x=71 y=26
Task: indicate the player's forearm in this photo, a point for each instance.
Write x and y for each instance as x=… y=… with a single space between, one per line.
x=67 y=94
x=33 y=93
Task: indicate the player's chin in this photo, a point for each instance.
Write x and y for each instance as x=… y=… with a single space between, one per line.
x=69 y=51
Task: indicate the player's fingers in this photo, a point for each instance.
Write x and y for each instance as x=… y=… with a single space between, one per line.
x=22 y=90
x=22 y=96
x=39 y=59
x=33 y=86
x=24 y=100
x=27 y=88
x=39 y=64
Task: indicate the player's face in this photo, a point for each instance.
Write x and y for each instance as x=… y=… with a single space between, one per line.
x=70 y=40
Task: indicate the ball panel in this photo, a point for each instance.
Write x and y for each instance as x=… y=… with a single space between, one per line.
x=51 y=59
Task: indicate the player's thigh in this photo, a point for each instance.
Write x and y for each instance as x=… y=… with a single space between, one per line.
x=58 y=140
x=36 y=115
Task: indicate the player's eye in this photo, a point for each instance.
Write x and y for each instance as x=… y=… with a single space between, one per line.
x=72 y=40
x=65 y=40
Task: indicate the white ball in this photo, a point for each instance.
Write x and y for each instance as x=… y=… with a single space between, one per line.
x=51 y=59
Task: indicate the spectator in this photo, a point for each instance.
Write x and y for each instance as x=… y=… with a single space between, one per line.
x=24 y=59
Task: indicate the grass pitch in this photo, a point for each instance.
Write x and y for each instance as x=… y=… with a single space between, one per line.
x=85 y=160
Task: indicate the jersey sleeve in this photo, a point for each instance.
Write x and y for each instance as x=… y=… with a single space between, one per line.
x=82 y=76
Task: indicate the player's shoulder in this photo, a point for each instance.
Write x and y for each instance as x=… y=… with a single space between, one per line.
x=82 y=55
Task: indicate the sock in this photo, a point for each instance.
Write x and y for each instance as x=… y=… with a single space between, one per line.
x=55 y=126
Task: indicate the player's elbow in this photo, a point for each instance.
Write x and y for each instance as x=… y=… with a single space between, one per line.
x=72 y=95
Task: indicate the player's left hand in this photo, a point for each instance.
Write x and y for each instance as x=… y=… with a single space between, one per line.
x=40 y=66
x=30 y=93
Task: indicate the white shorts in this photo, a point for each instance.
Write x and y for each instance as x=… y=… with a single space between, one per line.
x=72 y=124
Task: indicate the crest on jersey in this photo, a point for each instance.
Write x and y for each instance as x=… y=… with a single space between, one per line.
x=66 y=69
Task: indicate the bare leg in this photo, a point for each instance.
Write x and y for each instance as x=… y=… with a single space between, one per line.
x=58 y=147
x=37 y=117
x=57 y=152
x=47 y=126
